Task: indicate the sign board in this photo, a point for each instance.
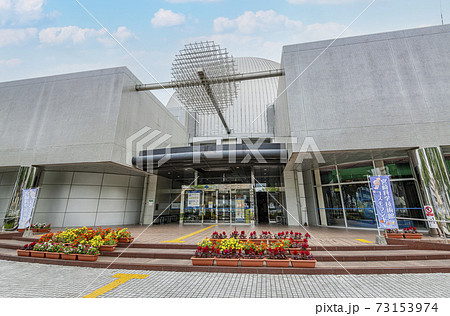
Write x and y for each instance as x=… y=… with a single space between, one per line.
x=29 y=198
x=430 y=216
x=194 y=199
x=384 y=202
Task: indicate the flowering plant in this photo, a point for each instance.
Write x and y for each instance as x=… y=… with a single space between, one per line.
x=41 y=246
x=68 y=250
x=234 y=234
x=410 y=230
x=28 y=246
x=303 y=255
x=229 y=254
x=87 y=250
x=242 y=235
x=307 y=236
x=217 y=235
x=205 y=249
x=265 y=235
x=57 y=247
x=278 y=253
x=230 y=244
x=253 y=235
x=123 y=233
x=296 y=235
x=249 y=247
x=392 y=231
x=254 y=254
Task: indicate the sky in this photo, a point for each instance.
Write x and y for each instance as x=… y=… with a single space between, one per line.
x=48 y=37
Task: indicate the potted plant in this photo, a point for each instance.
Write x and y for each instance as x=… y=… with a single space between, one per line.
x=123 y=235
x=242 y=235
x=253 y=255
x=393 y=233
x=304 y=259
x=54 y=251
x=43 y=228
x=216 y=237
x=411 y=233
x=277 y=257
x=39 y=250
x=228 y=257
x=25 y=250
x=87 y=253
x=109 y=243
x=203 y=256
x=254 y=238
x=69 y=253
x=234 y=234
x=34 y=227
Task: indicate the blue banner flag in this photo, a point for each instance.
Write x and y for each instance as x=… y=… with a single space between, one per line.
x=29 y=197
x=384 y=202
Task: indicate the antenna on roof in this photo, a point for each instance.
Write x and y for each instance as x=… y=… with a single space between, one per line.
x=442 y=16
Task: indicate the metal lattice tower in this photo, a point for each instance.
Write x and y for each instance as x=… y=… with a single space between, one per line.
x=209 y=66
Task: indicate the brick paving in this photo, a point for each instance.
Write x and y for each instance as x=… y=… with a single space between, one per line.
x=31 y=280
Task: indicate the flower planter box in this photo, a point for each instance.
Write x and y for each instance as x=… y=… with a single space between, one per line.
x=304 y=263
x=107 y=247
x=413 y=236
x=23 y=253
x=21 y=230
x=43 y=230
x=279 y=263
x=37 y=254
x=35 y=230
x=227 y=262
x=125 y=239
x=252 y=262
x=52 y=255
x=69 y=256
x=84 y=257
x=202 y=261
x=394 y=235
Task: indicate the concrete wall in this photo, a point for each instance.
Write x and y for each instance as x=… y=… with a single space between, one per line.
x=377 y=91
x=74 y=118
x=7 y=181
x=69 y=199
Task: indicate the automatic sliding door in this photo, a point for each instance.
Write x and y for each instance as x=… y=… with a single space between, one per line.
x=209 y=215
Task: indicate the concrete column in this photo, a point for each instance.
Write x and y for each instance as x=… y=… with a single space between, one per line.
x=319 y=192
x=293 y=218
x=433 y=177
x=150 y=203
x=302 y=198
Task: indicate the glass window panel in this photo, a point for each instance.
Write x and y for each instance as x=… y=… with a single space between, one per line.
x=333 y=206
x=398 y=169
x=447 y=161
x=355 y=172
x=407 y=203
x=328 y=175
x=358 y=205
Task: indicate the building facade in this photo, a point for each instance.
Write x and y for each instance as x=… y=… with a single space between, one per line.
x=300 y=149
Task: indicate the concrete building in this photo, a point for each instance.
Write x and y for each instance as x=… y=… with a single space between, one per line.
x=301 y=145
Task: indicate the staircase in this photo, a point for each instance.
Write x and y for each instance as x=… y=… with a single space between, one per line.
x=399 y=256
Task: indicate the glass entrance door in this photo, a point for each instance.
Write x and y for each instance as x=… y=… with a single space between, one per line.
x=209 y=206
x=223 y=207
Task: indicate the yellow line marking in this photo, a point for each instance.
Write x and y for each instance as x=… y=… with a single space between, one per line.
x=122 y=278
x=364 y=241
x=180 y=239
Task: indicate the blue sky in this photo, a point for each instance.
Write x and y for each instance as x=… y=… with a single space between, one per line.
x=46 y=37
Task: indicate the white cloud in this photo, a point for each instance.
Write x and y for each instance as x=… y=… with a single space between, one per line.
x=250 y=22
x=10 y=62
x=16 y=36
x=21 y=11
x=321 y=1
x=75 y=34
x=122 y=34
x=164 y=18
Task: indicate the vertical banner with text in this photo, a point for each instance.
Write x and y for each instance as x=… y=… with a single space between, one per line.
x=29 y=197
x=384 y=202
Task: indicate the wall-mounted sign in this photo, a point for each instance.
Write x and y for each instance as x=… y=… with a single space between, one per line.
x=194 y=199
x=384 y=202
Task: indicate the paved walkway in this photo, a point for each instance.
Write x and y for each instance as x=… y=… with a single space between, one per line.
x=30 y=280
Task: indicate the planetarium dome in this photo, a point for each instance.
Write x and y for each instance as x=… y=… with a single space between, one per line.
x=248 y=116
